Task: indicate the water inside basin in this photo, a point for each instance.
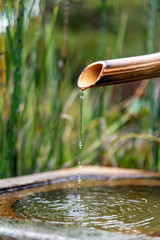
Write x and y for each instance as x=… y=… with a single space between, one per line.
x=125 y=209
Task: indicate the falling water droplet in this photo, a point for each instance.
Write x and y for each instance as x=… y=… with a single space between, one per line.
x=79 y=178
x=81 y=95
x=80 y=144
x=79 y=164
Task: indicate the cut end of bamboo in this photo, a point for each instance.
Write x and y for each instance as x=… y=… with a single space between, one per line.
x=109 y=72
x=90 y=75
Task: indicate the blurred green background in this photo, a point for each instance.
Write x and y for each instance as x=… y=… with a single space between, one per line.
x=44 y=46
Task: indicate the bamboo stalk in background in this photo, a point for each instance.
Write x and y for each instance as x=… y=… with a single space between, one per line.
x=109 y=72
x=103 y=30
x=11 y=150
x=102 y=53
x=3 y=63
x=63 y=61
x=66 y=29
x=153 y=86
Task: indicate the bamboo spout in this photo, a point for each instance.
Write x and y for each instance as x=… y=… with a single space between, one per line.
x=109 y=72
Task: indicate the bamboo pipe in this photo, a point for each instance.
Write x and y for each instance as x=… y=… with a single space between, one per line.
x=109 y=72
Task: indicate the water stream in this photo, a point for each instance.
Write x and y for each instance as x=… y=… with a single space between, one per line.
x=81 y=128
x=80 y=144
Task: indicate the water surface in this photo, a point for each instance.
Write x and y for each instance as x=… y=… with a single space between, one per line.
x=125 y=209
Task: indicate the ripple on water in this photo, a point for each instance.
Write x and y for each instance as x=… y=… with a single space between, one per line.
x=122 y=209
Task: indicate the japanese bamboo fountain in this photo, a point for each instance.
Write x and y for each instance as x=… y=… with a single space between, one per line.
x=126 y=193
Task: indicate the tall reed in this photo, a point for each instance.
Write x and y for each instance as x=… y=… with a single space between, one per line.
x=103 y=30
x=3 y=83
x=51 y=119
x=10 y=159
x=3 y=62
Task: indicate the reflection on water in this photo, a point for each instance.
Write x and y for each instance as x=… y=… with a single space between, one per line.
x=121 y=209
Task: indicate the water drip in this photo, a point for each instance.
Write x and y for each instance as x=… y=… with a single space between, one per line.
x=80 y=144
x=81 y=110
